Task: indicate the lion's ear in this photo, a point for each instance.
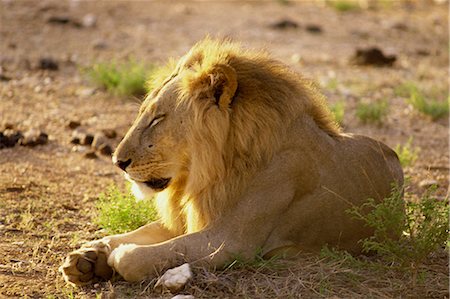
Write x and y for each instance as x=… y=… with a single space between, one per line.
x=223 y=84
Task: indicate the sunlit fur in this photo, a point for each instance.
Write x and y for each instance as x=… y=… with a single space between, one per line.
x=227 y=145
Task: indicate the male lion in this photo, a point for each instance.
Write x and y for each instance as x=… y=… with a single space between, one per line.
x=244 y=156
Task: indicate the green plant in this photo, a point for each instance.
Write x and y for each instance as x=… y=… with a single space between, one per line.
x=372 y=112
x=405 y=232
x=434 y=108
x=338 y=110
x=125 y=79
x=119 y=212
x=344 y=5
x=257 y=262
x=406 y=154
x=417 y=99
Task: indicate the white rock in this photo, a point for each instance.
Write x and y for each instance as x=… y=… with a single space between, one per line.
x=175 y=279
x=89 y=20
x=183 y=297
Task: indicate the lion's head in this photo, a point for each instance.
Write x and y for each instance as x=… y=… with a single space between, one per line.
x=215 y=119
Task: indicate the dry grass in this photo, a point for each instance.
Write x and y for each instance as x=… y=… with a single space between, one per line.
x=308 y=276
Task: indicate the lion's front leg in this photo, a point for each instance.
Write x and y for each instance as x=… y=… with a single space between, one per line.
x=89 y=263
x=210 y=247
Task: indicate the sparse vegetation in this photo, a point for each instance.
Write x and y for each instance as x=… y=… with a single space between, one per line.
x=434 y=108
x=344 y=5
x=258 y=262
x=372 y=112
x=421 y=102
x=119 y=212
x=405 y=232
x=338 y=110
x=406 y=153
x=126 y=79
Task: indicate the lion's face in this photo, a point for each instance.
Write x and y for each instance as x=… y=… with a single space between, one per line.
x=181 y=129
x=153 y=150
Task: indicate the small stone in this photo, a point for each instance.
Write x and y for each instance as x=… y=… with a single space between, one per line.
x=105 y=149
x=8 y=126
x=34 y=137
x=313 y=28
x=174 y=279
x=61 y=20
x=87 y=140
x=89 y=21
x=180 y=296
x=373 y=56
x=75 y=140
x=99 y=44
x=86 y=92
x=73 y=124
x=99 y=140
x=90 y=155
x=47 y=63
x=79 y=149
x=80 y=137
x=110 y=133
x=10 y=138
x=284 y=24
x=425 y=184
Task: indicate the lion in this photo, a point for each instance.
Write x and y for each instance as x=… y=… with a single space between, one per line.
x=243 y=157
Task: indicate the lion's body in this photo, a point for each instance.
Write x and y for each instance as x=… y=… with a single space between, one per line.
x=247 y=157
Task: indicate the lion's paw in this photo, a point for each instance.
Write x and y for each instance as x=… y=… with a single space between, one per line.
x=87 y=264
x=174 y=279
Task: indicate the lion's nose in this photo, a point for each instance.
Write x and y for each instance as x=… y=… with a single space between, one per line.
x=122 y=164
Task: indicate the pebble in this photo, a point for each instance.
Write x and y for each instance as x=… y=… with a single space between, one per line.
x=85 y=92
x=34 y=137
x=58 y=20
x=373 y=56
x=79 y=137
x=89 y=21
x=90 y=155
x=105 y=149
x=284 y=24
x=428 y=183
x=99 y=44
x=73 y=124
x=110 y=133
x=79 y=149
x=47 y=63
x=174 y=279
x=9 y=138
x=180 y=296
x=313 y=28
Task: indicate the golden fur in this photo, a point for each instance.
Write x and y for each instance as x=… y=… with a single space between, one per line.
x=266 y=102
x=244 y=155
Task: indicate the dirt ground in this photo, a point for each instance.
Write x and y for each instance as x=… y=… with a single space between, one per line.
x=48 y=192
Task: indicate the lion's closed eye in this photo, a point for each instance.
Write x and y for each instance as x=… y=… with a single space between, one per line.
x=156 y=120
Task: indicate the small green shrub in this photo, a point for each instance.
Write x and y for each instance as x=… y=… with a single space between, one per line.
x=372 y=112
x=406 y=153
x=338 y=110
x=434 y=108
x=404 y=89
x=257 y=262
x=344 y=5
x=124 y=79
x=417 y=99
x=405 y=232
x=119 y=212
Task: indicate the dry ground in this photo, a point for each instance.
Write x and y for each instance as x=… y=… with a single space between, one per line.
x=47 y=193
